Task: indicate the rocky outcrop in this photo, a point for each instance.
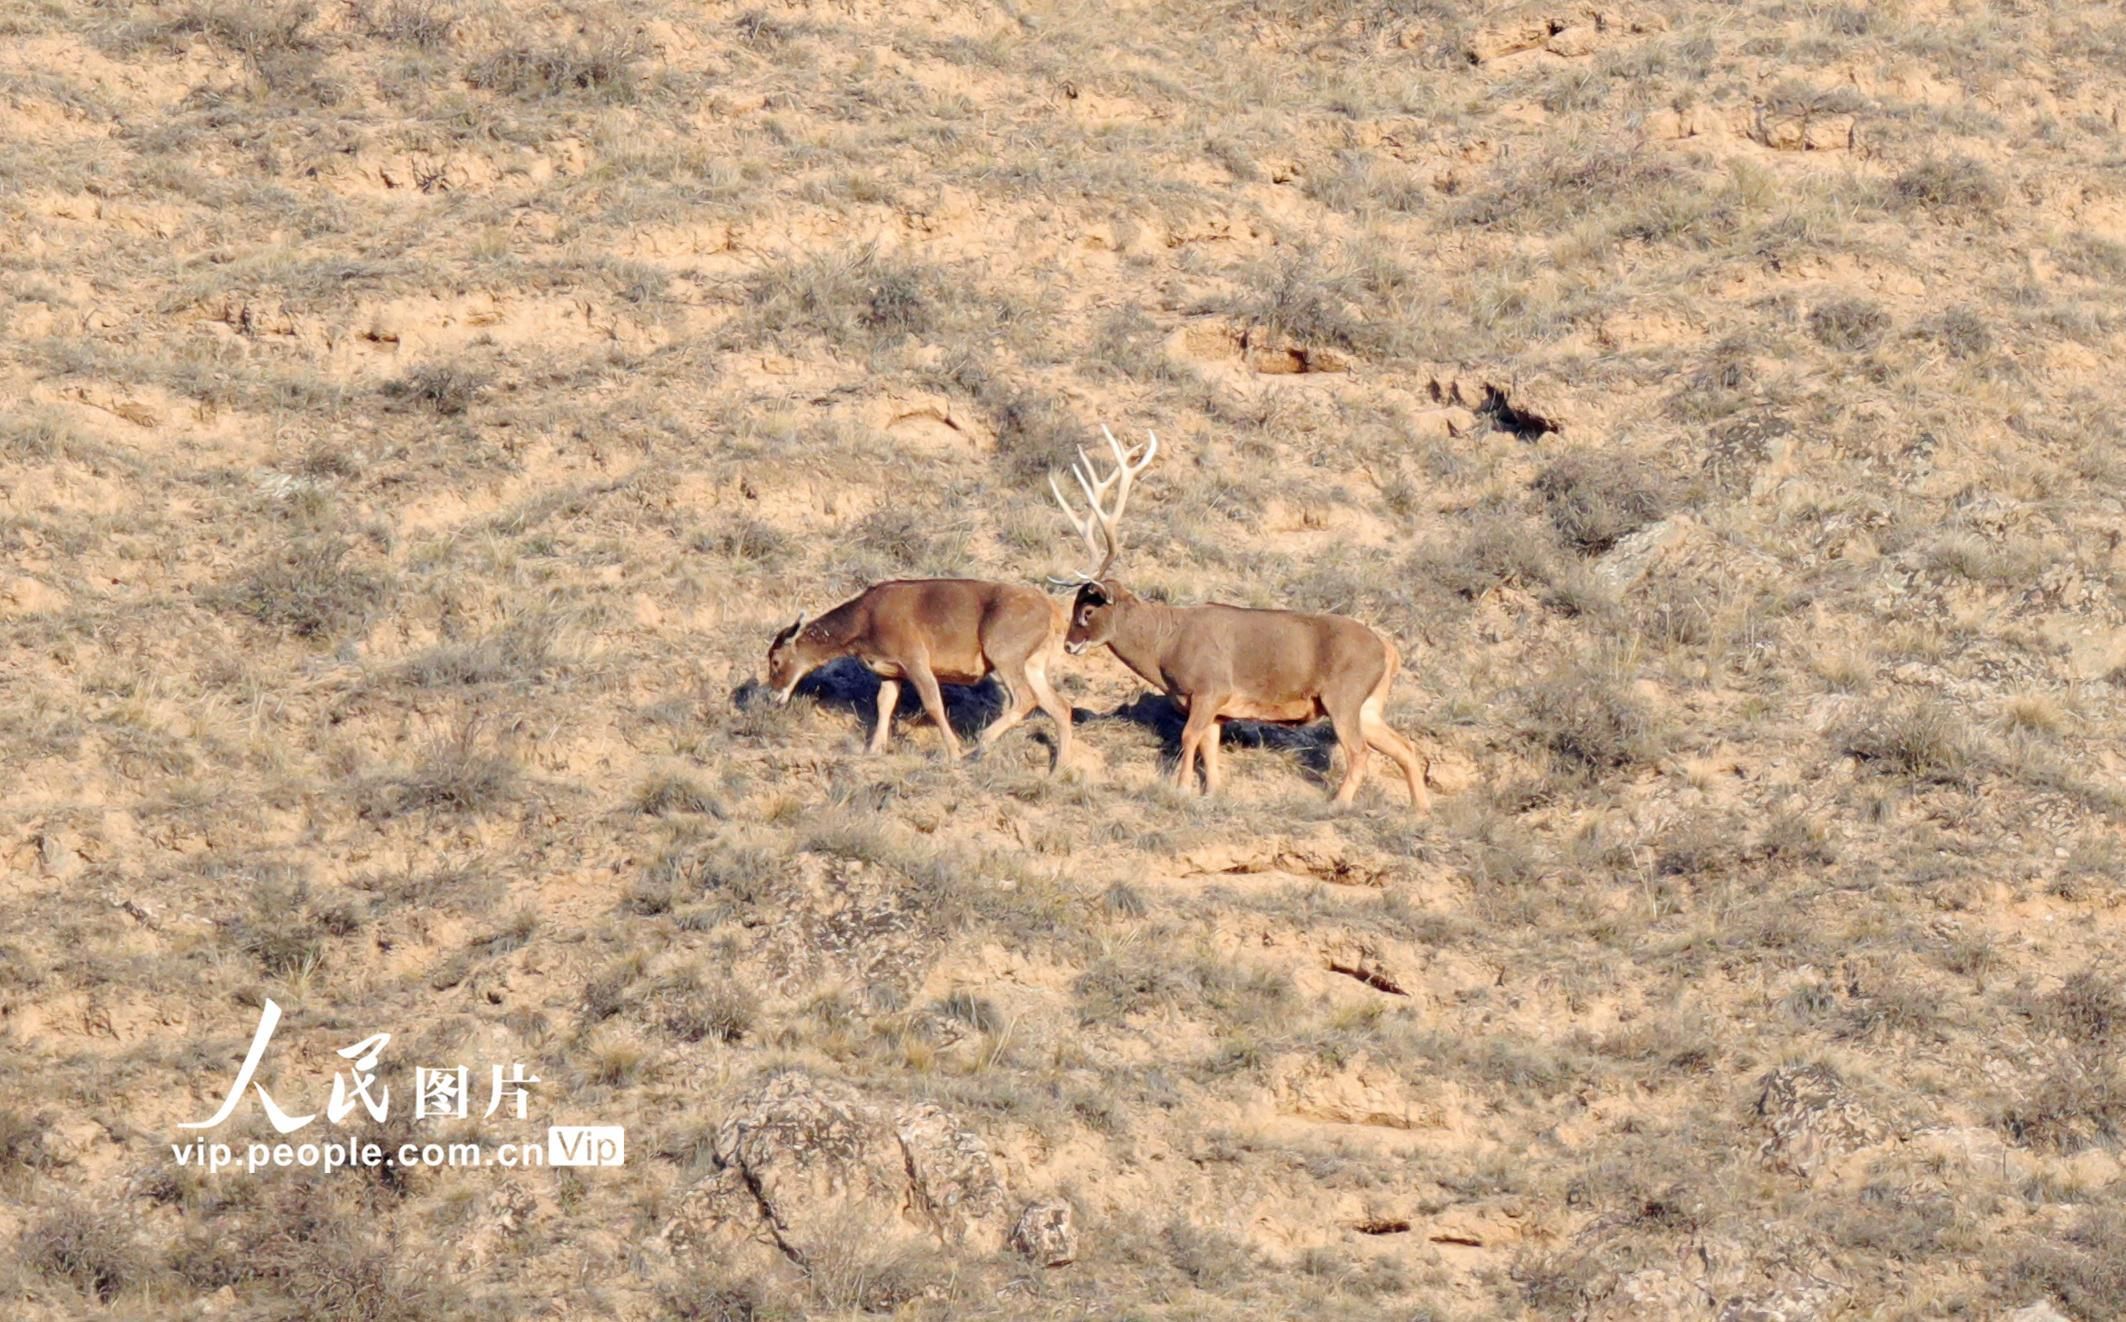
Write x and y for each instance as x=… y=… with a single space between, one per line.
x=1567 y=30
x=1044 y=1234
x=800 y=1159
x=1811 y=1120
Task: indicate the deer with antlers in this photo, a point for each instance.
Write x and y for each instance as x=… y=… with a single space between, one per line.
x=936 y=631
x=1220 y=662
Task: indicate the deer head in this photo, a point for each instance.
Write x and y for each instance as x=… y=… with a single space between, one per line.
x=787 y=662
x=1091 y=613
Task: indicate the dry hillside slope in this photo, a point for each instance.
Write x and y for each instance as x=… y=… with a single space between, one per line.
x=417 y=415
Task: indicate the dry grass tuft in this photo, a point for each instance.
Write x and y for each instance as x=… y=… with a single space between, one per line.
x=310 y=590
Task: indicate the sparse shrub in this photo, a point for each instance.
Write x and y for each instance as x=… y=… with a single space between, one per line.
x=2033 y=713
x=1308 y=302
x=604 y=68
x=1951 y=184
x=89 y=1247
x=1206 y=1255
x=908 y=539
x=1594 y=504
x=2094 y=257
x=1128 y=342
x=1035 y=433
x=1496 y=550
x=21 y=1143
x=1571 y=183
x=747 y=540
x=1922 y=740
x=1361 y=182
x=286 y=942
x=974 y=1011
x=1849 y=325
x=856 y=299
x=699 y=1298
x=850 y=1267
x=267 y=33
x=309 y=590
x=1961 y=331
x=721 y=1011
x=2079 y=1103
x=428 y=24
x=760 y=29
x=1123 y=900
x=2012 y=561
x=2089 y=1007
x=441 y=388
x=35 y=435
x=1121 y=985
x=459 y=773
x=1701 y=847
x=648 y=897
x=1793 y=839
x=670 y=792
x=739 y=874
x=1594 y=721
x=520 y=653
x=2084 y=1270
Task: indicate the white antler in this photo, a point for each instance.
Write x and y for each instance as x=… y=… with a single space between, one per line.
x=1100 y=522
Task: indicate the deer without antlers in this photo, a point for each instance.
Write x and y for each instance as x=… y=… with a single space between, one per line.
x=1220 y=662
x=932 y=631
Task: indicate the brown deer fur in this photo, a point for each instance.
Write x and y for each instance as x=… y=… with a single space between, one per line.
x=933 y=631
x=1221 y=663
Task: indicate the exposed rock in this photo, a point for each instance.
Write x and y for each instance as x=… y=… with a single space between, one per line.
x=1627 y=562
x=844 y=918
x=799 y=1158
x=1648 y=1293
x=1530 y=407
x=1686 y=550
x=1561 y=29
x=1804 y=132
x=1320 y=855
x=1812 y=1120
x=2041 y=1311
x=1803 y=1302
x=1358 y=1091
x=1044 y=1234
x=23 y=595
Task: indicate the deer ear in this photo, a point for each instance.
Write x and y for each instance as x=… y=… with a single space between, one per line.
x=798 y=627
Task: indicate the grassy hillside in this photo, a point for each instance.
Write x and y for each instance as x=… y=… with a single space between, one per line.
x=417 y=415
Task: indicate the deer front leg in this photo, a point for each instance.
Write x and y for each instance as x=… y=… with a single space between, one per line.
x=889 y=698
x=926 y=687
x=1213 y=774
x=1202 y=719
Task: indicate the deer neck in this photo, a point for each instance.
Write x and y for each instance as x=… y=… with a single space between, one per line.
x=1143 y=631
x=833 y=634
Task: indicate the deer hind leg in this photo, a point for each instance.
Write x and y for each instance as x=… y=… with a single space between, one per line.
x=1058 y=711
x=1414 y=764
x=889 y=697
x=1350 y=736
x=1202 y=720
x=926 y=687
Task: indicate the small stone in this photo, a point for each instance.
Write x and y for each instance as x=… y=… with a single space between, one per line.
x=1044 y=1234
x=56 y=851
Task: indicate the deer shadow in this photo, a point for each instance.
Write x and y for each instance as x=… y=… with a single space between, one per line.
x=847 y=685
x=1312 y=746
